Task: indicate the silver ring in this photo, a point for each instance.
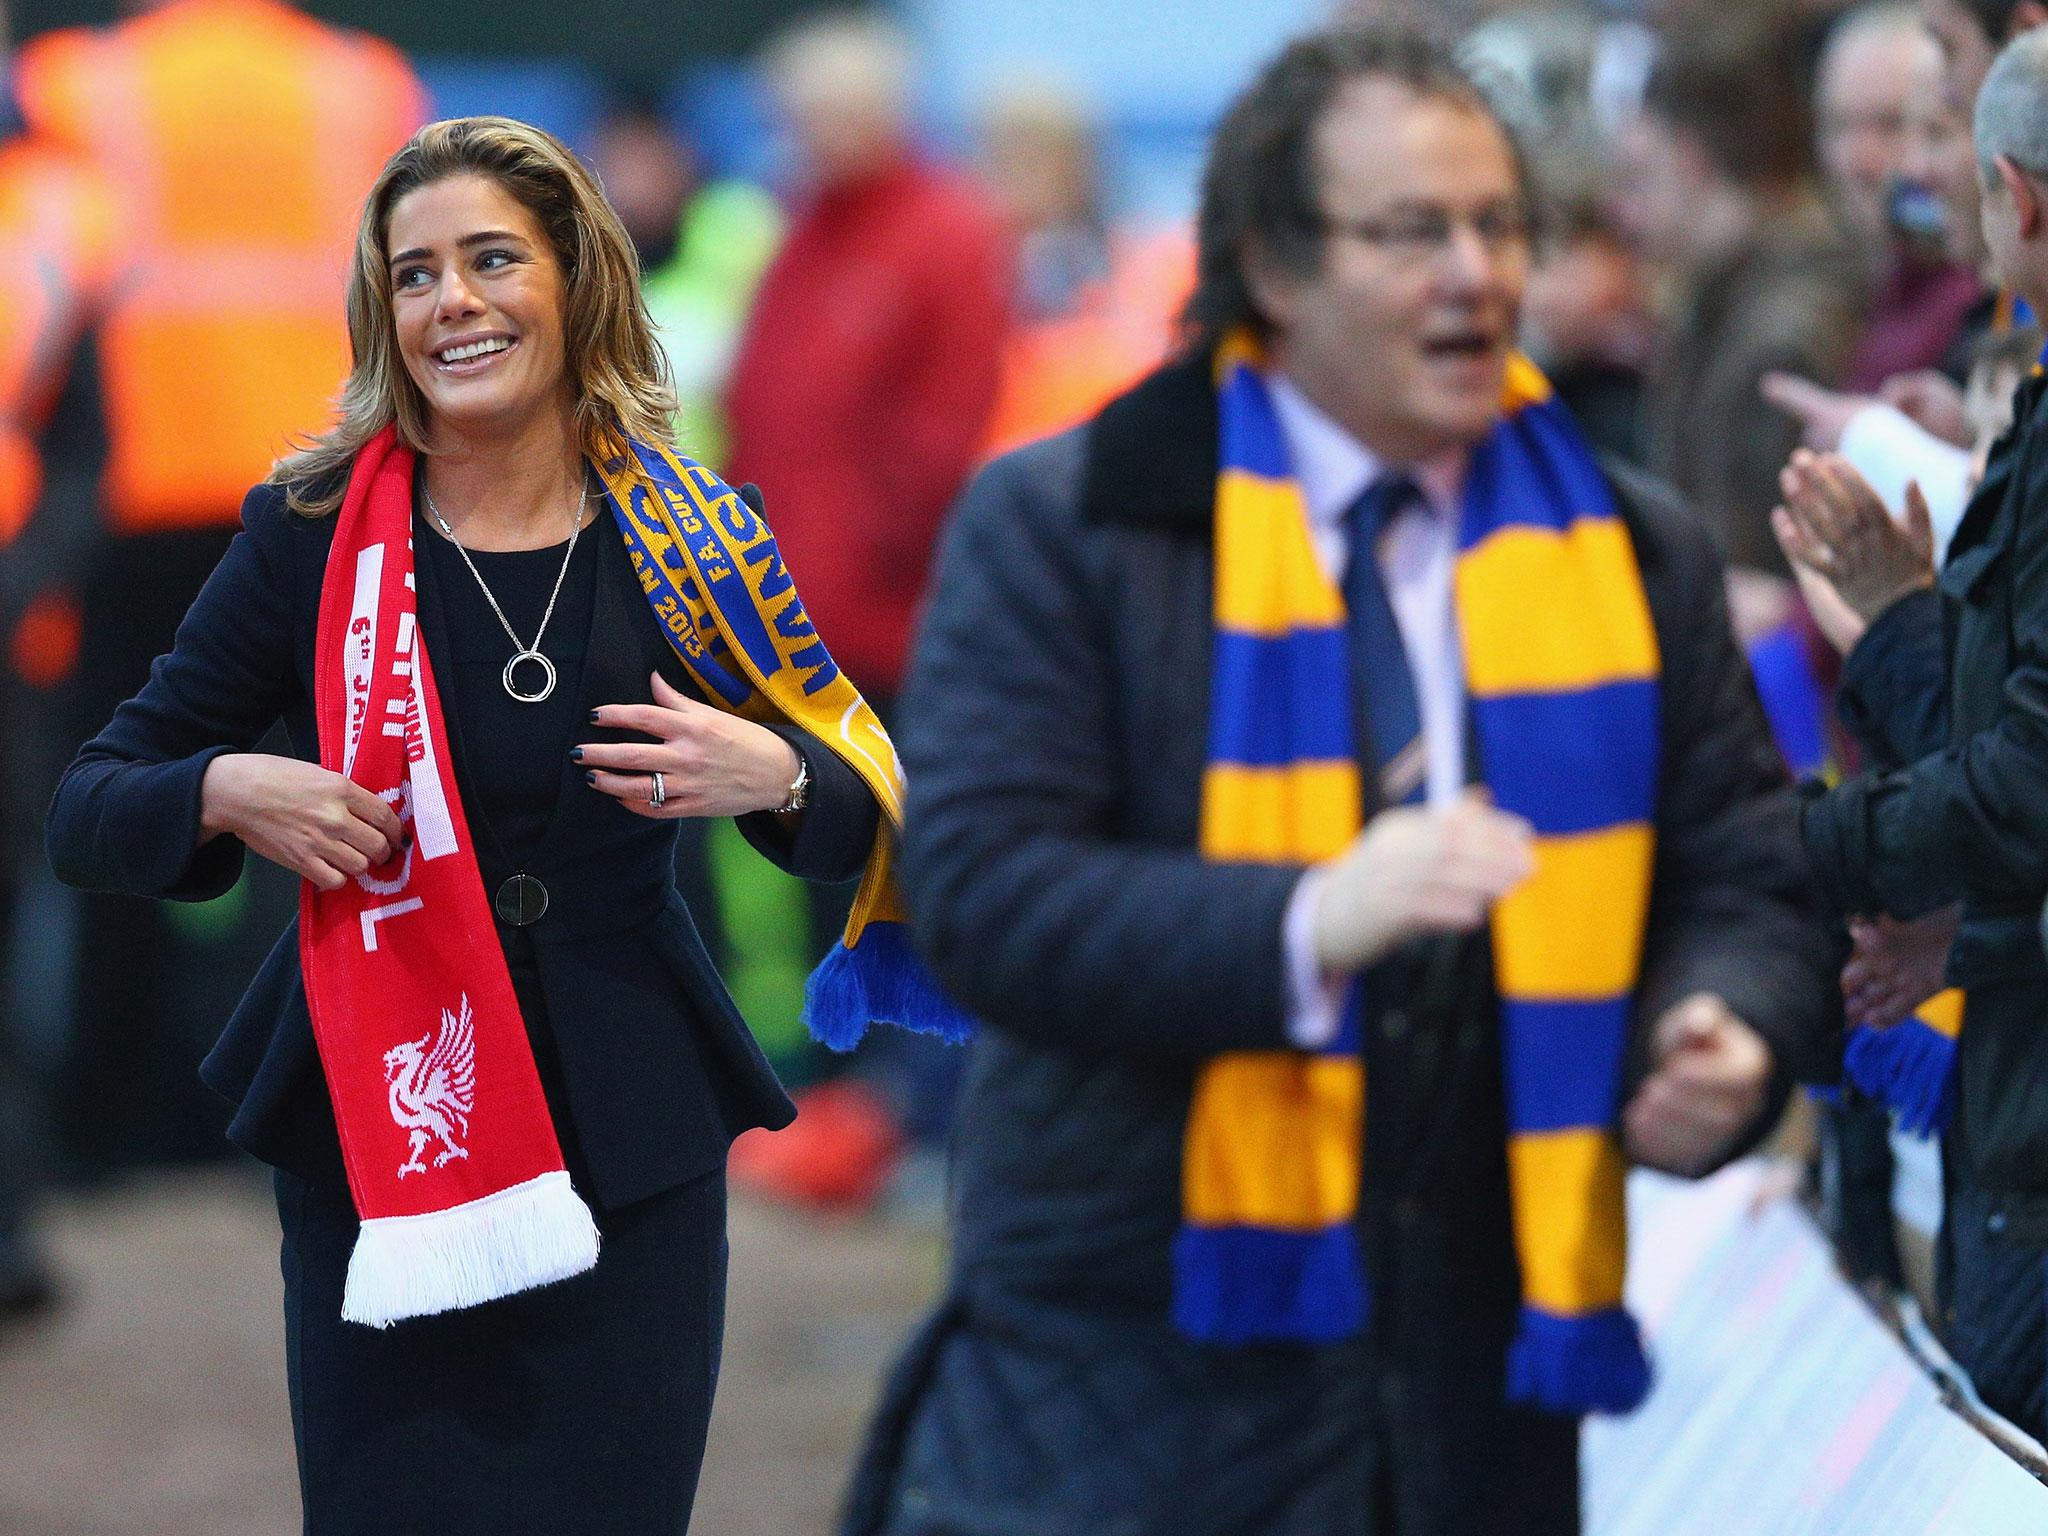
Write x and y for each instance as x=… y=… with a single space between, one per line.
x=658 y=794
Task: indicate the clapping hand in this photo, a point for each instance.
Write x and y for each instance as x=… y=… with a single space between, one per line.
x=1832 y=526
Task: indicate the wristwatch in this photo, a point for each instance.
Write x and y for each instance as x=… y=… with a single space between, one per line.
x=799 y=787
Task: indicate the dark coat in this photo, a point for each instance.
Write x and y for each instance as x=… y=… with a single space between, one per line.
x=1969 y=822
x=1053 y=734
x=658 y=1068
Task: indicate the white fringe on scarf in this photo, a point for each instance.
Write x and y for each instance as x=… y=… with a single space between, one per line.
x=530 y=1235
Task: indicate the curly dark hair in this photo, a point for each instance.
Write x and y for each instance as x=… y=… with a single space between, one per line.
x=1259 y=185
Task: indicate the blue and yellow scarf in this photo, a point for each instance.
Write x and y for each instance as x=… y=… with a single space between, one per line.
x=1561 y=666
x=724 y=598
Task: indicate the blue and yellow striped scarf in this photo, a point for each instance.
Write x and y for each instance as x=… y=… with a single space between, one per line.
x=1561 y=667
x=710 y=569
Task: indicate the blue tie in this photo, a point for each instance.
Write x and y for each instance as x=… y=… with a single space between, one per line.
x=1379 y=661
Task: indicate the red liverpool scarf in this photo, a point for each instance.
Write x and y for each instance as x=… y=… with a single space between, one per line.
x=451 y=1154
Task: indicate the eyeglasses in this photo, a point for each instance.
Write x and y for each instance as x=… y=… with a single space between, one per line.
x=1417 y=235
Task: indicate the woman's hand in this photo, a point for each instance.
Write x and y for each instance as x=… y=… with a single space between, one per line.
x=317 y=824
x=711 y=763
x=1833 y=524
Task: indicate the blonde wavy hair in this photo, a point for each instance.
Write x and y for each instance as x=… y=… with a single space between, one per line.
x=621 y=377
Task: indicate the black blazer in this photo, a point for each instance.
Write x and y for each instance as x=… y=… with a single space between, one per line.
x=660 y=1071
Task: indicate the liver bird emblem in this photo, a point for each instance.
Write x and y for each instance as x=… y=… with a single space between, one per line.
x=433 y=1088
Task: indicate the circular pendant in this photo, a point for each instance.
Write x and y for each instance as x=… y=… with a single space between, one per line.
x=547 y=677
x=521 y=901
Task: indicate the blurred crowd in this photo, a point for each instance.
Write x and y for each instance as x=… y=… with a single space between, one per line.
x=1760 y=232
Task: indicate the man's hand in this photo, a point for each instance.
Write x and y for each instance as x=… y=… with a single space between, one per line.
x=1823 y=414
x=1931 y=399
x=1708 y=1082
x=1833 y=524
x=1413 y=872
x=1896 y=966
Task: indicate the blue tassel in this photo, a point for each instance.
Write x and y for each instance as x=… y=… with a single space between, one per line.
x=1590 y=1364
x=1909 y=1067
x=881 y=980
x=1246 y=1285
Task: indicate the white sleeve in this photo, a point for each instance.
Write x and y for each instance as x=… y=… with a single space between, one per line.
x=1315 y=1002
x=1888 y=448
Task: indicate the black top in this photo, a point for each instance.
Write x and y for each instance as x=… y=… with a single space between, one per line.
x=515 y=750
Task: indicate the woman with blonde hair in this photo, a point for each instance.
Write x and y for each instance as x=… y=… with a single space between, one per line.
x=513 y=638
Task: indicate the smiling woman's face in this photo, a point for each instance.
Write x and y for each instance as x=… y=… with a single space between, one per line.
x=478 y=301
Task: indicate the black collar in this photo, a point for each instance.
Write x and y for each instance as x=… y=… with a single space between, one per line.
x=1151 y=454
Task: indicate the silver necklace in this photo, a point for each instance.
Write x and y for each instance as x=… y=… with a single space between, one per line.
x=520 y=650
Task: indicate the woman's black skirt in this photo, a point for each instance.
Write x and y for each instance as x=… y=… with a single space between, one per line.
x=579 y=1407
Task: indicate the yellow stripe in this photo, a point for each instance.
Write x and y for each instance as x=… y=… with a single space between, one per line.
x=1573 y=930
x=1543 y=611
x=1297 y=814
x=1569 y=1219
x=1524 y=384
x=1268 y=579
x=1274 y=1140
x=1943 y=1012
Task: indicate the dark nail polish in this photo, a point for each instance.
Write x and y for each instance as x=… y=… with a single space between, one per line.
x=405 y=838
x=593 y=717
x=590 y=775
x=575 y=754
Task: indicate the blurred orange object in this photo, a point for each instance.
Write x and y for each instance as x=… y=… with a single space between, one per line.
x=241 y=137
x=838 y=1156
x=1060 y=370
x=44 y=649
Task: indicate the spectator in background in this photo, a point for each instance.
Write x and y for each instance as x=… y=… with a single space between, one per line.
x=221 y=340
x=1913 y=427
x=703 y=246
x=58 y=226
x=859 y=402
x=870 y=363
x=1876 y=59
x=1970 y=33
x=1586 y=319
x=1860 y=113
x=1096 y=302
x=1719 y=192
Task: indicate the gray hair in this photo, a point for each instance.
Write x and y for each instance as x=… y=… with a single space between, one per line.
x=2012 y=108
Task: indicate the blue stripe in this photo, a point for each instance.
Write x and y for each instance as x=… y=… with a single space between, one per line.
x=1281 y=699
x=1574 y=1365
x=1556 y=758
x=1532 y=471
x=723 y=582
x=1242 y=1285
x=1563 y=1061
x=1792 y=699
x=1251 y=438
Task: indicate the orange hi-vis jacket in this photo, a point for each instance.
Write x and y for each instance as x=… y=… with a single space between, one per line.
x=1060 y=370
x=57 y=243
x=241 y=137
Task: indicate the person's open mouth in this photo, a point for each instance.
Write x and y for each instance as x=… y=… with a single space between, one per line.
x=472 y=354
